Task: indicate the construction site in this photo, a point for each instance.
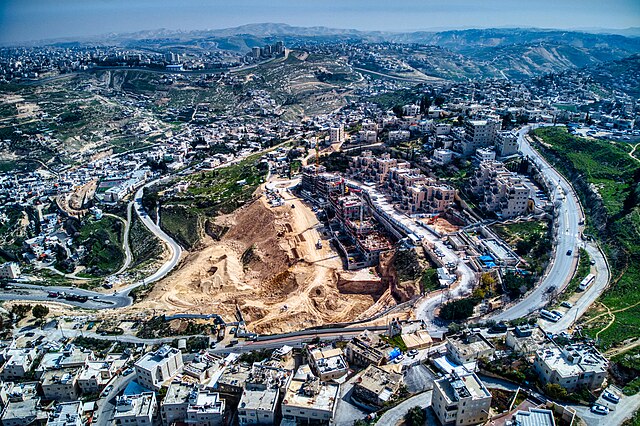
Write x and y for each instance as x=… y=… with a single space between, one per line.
x=276 y=264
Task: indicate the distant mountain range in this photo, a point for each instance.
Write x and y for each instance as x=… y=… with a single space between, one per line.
x=512 y=52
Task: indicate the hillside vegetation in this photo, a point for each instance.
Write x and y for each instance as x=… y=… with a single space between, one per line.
x=607 y=180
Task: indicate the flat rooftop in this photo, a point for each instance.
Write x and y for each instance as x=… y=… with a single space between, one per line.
x=263 y=400
x=323 y=398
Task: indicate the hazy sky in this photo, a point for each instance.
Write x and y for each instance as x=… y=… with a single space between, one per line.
x=22 y=20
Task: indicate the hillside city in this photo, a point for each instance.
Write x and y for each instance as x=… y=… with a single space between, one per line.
x=320 y=228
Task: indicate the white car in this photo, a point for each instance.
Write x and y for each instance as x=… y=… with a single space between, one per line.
x=412 y=352
x=610 y=396
x=600 y=409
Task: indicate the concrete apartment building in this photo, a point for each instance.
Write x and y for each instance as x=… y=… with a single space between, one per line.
x=485 y=154
x=9 y=271
x=66 y=414
x=506 y=144
x=155 y=368
x=376 y=386
x=205 y=409
x=327 y=363
x=136 y=410
x=478 y=134
x=468 y=348
x=442 y=156
x=500 y=191
x=22 y=406
x=336 y=134
x=18 y=362
x=308 y=400
x=61 y=385
x=258 y=407
x=260 y=398
x=367 y=349
x=461 y=400
x=571 y=367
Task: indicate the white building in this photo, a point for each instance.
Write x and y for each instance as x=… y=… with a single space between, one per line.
x=485 y=154
x=309 y=400
x=336 y=134
x=442 y=156
x=327 y=363
x=411 y=109
x=154 y=369
x=66 y=414
x=500 y=191
x=399 y=135
x=9 y=270
x=61 y=385
x=137 y=410
x=185 y=401
x=18 y=362
x=572 y=366
x=467 y=348
x=478 y=134
x=461 y=400
x=258 y=407
x=506 y=144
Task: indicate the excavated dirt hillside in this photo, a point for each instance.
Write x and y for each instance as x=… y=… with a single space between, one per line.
x=269 y=266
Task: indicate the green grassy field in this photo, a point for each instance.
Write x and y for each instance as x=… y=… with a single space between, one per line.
x=210 y=193
x=103 y=242
x=530 y=240
x=607 y=165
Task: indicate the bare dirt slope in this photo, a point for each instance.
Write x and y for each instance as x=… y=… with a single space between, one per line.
x=268 y=265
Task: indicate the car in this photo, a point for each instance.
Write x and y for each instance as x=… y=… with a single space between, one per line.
x=569 y=252
x=566 y=304
x=557 y=313
x=399 y=358
x=107 y=390
x=600 y=409
x=499 y=328
x=610 y=396
x=412 y=352
x=127 y=371
x=30 y=334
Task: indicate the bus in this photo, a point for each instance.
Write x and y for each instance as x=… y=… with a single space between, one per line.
x=586 y=282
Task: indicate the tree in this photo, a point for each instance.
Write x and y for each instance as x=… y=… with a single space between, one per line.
x=415 y=416
x=397 y=110
x=40 y=311
x=459 y=309
x=439 y=101
x=425 y=104
x=20 y=311
x=555 y=391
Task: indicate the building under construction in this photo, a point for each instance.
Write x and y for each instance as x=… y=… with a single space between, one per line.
x=356 y=232
x=319 y=185
x=352 y=227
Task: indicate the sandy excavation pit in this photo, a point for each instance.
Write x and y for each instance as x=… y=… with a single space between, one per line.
x=268 y=265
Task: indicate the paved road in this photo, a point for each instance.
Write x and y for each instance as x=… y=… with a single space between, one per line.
x=396 y=414
x=618 y=414
x=174 y=248
x=568 y=237
x=106 y=404
x=602 y=276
